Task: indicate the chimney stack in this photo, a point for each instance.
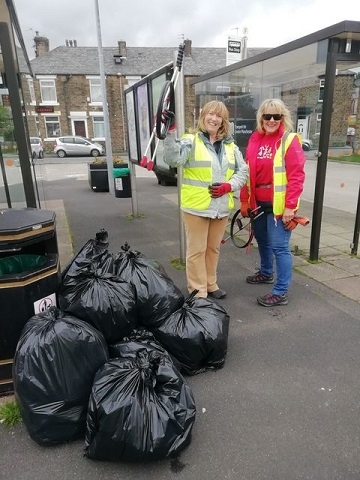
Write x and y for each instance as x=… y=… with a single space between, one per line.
x=41 y=45
x=187 y=49
x=122 y=48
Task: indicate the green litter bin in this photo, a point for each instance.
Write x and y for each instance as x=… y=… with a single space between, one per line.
x=122 y=183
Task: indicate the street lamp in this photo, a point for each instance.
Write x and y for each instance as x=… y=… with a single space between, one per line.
x=109 y=153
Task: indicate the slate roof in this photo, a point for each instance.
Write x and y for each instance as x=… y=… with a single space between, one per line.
x=66 y=60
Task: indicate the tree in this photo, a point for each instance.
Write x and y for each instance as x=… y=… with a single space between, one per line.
x=6 y=124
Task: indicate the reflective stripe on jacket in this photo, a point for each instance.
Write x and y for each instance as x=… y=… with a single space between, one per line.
x=280 y=178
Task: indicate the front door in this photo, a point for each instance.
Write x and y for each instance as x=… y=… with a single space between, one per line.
x=79 y=128
x=303 y=126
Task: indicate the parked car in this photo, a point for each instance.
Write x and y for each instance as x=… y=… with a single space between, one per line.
x=75 y=145
x=166 y=176
x=37 y=148
x=307 y=144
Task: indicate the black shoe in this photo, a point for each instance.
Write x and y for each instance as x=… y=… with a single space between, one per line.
x=217 y=294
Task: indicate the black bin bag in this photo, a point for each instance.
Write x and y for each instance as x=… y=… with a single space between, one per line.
x=139 y=339
x=55 y=362
x=196 y=335
x=104 y=300
x=140 y=409
x=156 y=294
x=96 y=251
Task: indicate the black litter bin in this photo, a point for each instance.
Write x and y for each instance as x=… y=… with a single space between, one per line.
x=29 y=277
x=122 y=182
x=98 y=177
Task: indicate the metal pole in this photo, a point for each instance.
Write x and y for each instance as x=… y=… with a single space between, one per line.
x=323 y=150
x=109 y=153
x=6 y=185
x=180 y=123
x=134 y=195
x=355 y=244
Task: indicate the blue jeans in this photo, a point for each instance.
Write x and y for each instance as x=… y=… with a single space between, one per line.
x=274 y=241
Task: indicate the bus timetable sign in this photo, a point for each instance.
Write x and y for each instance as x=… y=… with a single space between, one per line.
x=234 y=46
x=233 y=51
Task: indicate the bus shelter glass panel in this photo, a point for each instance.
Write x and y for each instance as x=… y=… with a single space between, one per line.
x=156 y=85
x=12 y=192
x=240 y=90
x=345 y=120
x=297 y=78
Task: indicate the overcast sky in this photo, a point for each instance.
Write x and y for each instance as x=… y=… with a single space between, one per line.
x=166 y=22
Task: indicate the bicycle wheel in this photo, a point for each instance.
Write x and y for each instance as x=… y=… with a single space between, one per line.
x=241 y=232
x=166 y=102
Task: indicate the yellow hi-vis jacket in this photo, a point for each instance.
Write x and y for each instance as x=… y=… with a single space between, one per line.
x=197 y=175
x=279 y=172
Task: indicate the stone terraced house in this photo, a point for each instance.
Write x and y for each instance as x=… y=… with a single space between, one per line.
x=63 y=97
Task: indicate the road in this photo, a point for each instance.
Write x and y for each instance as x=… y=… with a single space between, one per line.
x=341 y=186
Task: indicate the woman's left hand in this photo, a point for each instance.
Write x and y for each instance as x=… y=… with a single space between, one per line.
x=288 y=215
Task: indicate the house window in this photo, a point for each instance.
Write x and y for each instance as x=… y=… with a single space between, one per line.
x=52 y=125
x=31 y=90
x=48 y=91
x=99 y=127
x=321 y=90
x=275 y=92
x=95 y=90
x=318 y=123
x=131 y=79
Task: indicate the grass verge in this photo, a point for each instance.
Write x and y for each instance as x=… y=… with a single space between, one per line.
x=177 y=263
x=354 y=158
x=10 y=413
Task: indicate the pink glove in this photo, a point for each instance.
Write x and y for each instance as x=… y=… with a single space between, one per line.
x=143 y=161
x=219 y=189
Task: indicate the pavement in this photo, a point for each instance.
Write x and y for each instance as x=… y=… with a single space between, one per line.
x=286 y=404
x=336 y=267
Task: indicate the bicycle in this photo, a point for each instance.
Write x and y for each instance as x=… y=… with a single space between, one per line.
x=242 y=228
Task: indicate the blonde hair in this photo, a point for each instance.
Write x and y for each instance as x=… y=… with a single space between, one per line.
x=220 y=109
x=279 y=107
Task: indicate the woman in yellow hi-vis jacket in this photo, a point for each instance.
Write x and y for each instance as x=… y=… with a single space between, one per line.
x=213 y=168
x=276 y=165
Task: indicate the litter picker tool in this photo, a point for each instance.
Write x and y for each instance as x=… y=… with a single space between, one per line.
x=165 y=111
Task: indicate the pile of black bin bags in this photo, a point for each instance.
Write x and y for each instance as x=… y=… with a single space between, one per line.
x=108 y=364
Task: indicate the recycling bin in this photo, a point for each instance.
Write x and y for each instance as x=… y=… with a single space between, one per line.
x=122 y=181
x=29 y=277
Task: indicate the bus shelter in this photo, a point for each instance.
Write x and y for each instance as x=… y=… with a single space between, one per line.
x=318 y=78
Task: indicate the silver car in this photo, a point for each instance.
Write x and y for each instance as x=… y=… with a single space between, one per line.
x=72 y=146
x=37 y=148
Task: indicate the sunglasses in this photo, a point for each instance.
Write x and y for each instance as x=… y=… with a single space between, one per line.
x=269 y=116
